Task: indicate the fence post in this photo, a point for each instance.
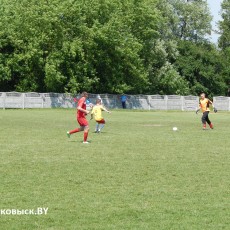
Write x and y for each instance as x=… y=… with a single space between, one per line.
x=148 y=101
x=4 y=100
x=42 y=96
x=166 y=102
x=182 y=103
x=229 y=103
x=115 y=101
x=23 y=100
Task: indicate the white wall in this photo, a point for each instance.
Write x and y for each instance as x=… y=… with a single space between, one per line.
x=146 y=102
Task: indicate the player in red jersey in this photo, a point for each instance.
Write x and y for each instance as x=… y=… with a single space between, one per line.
x=81 y=113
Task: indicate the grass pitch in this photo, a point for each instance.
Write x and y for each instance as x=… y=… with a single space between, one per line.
x=136 y=174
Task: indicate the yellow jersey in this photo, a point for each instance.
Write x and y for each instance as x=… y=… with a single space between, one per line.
x=97 y=112
x=204 y=104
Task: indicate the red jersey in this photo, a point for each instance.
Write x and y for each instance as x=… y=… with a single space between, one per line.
x=82 y=104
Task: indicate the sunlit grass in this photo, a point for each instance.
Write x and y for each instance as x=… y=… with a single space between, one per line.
x=136 y=174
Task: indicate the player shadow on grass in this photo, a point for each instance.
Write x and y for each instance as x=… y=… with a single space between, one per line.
x=77 y=141
x=99 y=132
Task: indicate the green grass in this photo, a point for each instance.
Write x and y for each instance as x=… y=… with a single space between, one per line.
x=137 y=174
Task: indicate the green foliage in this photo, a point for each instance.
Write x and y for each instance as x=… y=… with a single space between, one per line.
x=100 y=46
x=163 y=75
x=224 y=25
x=224 y=40
x=203 y=67
x=171 y=82
x=193 y=19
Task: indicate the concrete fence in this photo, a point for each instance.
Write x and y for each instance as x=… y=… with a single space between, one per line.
x=222 y=103
x=146 y=102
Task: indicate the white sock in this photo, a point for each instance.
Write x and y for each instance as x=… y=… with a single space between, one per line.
x=97 y=127
x=101 y=127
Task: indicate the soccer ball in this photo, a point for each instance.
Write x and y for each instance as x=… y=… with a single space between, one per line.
x=91 y=105
x=174 y=128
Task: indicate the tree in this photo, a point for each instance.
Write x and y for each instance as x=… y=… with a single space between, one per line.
x=224 y=40
x=224 y=25
x=203 y=67
x=191 y=19
x=104 y=46
x=70 y=46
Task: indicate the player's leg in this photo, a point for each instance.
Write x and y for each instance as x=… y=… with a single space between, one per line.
x=84 y=126
x=86 y=131
x=123 y=105
x=208 y=121
x=97 y=127
x=203 y=120
x=211 y=125
x=74 y=130
x=102 y=124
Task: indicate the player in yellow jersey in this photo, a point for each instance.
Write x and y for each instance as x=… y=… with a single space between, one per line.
x=204 y=106
x=97 y=114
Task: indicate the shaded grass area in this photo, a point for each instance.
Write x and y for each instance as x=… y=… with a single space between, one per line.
x=136 y=174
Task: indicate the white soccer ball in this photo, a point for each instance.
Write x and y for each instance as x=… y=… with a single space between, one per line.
x=91 y=105
x=174 y=128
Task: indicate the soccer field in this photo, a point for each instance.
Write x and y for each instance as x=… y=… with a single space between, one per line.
x=137 y=174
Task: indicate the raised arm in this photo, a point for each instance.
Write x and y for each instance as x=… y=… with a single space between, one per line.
x=104 y=109
x=214 y=108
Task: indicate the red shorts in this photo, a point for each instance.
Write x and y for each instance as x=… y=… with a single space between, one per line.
x=82 y=121
x=102 y=121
